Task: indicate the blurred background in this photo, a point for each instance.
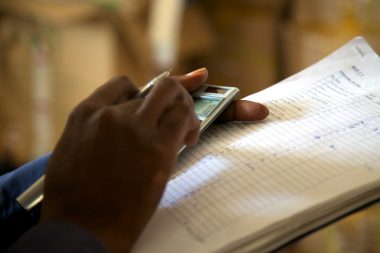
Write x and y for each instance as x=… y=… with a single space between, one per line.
x=53 y=53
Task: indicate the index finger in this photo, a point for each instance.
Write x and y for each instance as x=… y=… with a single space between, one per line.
x=163 y=95
x=117 y=90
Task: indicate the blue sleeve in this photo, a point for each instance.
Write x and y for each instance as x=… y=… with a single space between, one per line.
x=57 y=237
x=14 y=220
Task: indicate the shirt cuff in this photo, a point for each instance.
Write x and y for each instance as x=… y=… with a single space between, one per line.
x=57 y=237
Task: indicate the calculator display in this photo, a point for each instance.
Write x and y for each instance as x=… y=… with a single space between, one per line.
x=209 y=102
x=204 y=106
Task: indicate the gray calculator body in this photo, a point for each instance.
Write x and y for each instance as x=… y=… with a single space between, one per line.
x=210 y=101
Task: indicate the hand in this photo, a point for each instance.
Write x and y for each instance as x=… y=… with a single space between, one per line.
x=110 y=167
x=240 y=110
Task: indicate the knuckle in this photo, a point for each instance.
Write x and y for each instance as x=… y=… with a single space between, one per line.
x=108 y=120
x=83 y=110
x=121 y=79
x=156 y=148
x=185 y=108
x=189 y=100
x=106 y=115
x=169 y=84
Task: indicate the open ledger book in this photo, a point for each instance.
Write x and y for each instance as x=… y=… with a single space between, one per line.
x=253 y=187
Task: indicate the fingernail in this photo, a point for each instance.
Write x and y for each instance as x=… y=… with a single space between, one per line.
x=197 y=72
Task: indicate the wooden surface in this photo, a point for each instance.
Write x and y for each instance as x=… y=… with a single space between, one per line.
x=356 y=233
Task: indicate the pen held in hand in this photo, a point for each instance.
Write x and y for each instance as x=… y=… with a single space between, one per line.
x=148 y=87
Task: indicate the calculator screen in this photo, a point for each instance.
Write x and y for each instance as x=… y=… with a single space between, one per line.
x=204 y=106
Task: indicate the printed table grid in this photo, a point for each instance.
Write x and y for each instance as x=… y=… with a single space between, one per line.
x=241 y=168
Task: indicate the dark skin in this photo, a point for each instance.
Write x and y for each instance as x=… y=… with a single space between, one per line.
x=109 y=170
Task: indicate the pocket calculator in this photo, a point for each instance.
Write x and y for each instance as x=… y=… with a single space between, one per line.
x=210 y=101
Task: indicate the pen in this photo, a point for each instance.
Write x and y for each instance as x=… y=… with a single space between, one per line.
x=147 y=88
x=33 y=195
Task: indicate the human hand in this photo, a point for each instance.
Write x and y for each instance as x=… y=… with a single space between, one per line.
x=110 y=167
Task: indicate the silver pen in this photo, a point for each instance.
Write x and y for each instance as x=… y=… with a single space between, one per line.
x=147 y=88
x=33 y=195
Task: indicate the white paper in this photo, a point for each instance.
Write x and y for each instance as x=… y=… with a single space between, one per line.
x=245 y=179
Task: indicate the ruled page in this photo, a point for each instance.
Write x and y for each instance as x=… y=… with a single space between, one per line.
x=318 y=134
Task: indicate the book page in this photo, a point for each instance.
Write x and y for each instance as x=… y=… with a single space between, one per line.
x=321 y=139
